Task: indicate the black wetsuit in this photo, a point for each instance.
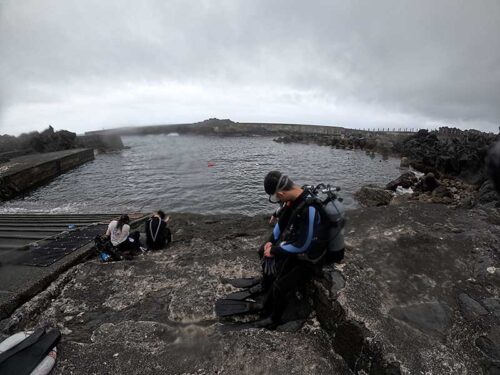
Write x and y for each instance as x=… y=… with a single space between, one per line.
x=297 y=233
x=157 y=233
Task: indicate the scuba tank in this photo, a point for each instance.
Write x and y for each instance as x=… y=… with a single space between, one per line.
x=333 y=221
x=335 y=212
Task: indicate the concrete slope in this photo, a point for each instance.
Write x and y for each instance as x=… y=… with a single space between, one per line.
x=154 y=315
x=18 y=281
x=18 y=231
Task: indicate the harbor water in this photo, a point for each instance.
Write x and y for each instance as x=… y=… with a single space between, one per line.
x=200 y=175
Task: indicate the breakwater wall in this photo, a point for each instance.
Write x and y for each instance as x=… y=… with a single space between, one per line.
x=24 y=173
x=231 y=128
x=273 y=128
x=223 y=127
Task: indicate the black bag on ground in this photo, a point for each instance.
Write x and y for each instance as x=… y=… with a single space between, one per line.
x=105 y=249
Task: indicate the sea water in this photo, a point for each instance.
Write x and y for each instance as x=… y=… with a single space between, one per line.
x=200 y=174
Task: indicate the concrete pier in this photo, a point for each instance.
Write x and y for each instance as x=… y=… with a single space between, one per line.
x=27 y=172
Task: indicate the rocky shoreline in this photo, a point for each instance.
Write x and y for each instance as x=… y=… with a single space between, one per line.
x=454 y=160
x=50 y=140
x=444 y=151
x=426 y=188
x=419 y=292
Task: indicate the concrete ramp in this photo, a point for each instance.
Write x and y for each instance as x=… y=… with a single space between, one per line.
x=18 y=231
x=36 y=248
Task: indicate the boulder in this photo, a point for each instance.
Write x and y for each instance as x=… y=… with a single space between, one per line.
x=370 y=196
x=428 y=317
x=490 y=343
x=442 y=192
x=406 y=180
x=487 y=193
x=493 y=165
x=419 y=166
x=470 y=308
x=401 y=198
x=492 y=305
x=429 y=182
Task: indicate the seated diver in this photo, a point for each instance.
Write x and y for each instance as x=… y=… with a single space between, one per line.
x=158 y=235
x=123 y=241
x=295 y=237
x=307 y=235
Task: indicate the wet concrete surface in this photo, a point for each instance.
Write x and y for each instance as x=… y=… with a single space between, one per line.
x=418 y=293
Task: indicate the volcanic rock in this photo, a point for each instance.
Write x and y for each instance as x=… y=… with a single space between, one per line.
x=409 y=277
x=492 y=305
x=470 y=308
x=493 y=165
x=487 y=193
x=450 y=152
x=405 y=162
x=370 y=196
x=406 y=180
x=442 y=191
x=429 y=182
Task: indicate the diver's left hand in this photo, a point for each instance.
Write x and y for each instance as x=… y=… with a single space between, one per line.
x=267 y=250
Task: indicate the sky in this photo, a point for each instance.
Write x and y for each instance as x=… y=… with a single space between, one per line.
x=95 y=64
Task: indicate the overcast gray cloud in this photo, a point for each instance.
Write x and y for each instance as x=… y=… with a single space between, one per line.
x=85 y=65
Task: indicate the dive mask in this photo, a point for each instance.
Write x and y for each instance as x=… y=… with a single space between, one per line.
x=282 y=182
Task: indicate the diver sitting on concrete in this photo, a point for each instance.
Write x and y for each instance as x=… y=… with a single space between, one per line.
x=122 y=240
x=158 y=235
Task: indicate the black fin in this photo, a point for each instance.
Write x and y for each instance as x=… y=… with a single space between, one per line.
x=27 y=342
x=229 y=307
x=255 y=324
x=247 y=293
x=239 y=296
x=246 y=282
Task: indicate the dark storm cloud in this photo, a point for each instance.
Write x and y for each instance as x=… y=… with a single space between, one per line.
x=90 y=64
